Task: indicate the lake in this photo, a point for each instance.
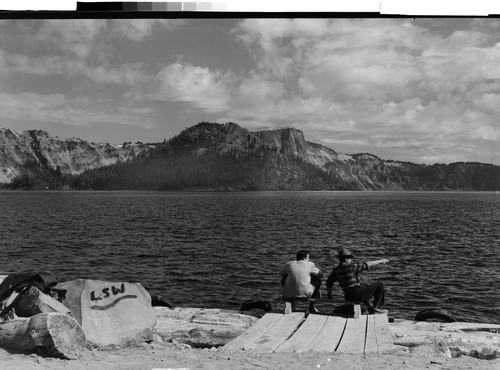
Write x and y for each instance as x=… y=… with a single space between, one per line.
x=206 y=249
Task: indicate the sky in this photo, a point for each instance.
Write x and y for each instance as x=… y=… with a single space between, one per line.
x=423 y=90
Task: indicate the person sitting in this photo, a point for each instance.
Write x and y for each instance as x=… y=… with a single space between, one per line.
x=301 y=279
x=346 y=274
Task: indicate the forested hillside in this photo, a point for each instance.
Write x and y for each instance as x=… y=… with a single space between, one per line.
x=211 y=156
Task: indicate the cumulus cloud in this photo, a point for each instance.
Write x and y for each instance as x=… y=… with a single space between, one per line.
x=356 y=83
x=385 y=75
x=77 y=47
x=206 y=89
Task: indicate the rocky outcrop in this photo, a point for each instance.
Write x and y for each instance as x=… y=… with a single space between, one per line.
x=20 y=152
x=288 y=141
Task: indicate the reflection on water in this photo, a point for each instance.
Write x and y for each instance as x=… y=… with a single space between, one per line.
x=220 y=249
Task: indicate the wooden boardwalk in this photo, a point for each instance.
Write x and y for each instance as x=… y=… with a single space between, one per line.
x=276 y=332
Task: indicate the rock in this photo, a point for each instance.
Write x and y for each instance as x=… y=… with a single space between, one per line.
x=157 y=338
x=157 y=300
x=489 y=353
x=203 y=338
x=52 y=334
x=33 y=302
x=451 y=339
x=437 y=348
x=256 y=304
x=110 y=313
x=201 y=327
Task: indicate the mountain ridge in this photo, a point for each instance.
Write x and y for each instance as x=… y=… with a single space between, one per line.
x=21 y=150
x=213 y=156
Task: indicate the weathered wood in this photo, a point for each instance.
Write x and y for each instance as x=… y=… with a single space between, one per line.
x=254 y=332
x=282 y=330
x=53 y=334
x=357 y=311
x=291 y=303
x=304 y=335
x=371 y=336
x=353 y=340
x=378 y=335
x=329 y=336
x=33 y=302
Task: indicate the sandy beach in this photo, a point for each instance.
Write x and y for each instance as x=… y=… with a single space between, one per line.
x=417 y=345
x=178 y=356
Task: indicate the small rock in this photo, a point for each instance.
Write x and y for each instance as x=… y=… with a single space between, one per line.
x=488 y=354
x=184 y=346
x=157 y=338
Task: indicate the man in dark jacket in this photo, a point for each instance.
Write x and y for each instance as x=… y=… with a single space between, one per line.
x=346 y=274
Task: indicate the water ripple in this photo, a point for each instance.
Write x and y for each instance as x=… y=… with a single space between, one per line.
x=220 y=249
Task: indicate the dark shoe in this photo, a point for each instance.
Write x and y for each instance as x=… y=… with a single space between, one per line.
x=313 y=310
x=375 y=311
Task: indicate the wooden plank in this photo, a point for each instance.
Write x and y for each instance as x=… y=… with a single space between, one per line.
x=371 y=336
x=254 y=332
x=353 y=340
x=279 y=333
x=329 y=336
x=304 y=335
x=357 y=311
x=378 y=335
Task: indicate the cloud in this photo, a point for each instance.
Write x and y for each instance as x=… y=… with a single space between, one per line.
x=139 y=29
x=81 y=39
x=387 y=76
x=75 y=37
x=209 y=90
x=377 y=83
x=57 y=108
x=50 y=66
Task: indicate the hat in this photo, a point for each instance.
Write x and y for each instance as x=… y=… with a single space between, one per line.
x=344 y=253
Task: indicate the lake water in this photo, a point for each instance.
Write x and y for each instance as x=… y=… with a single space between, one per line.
x=220 y=249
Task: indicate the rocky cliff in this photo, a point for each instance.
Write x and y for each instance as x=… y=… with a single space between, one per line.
x=21 y=152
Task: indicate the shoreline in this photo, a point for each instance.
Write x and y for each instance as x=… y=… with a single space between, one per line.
x=193 y=338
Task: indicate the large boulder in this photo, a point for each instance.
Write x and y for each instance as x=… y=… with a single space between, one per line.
x=51 y=334
x=110 y=313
